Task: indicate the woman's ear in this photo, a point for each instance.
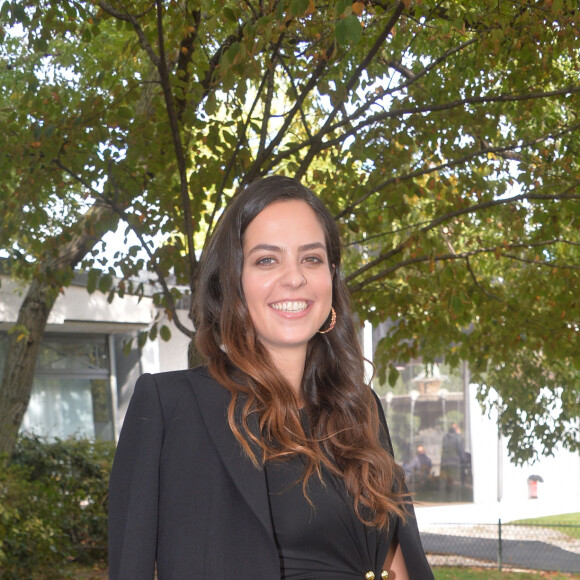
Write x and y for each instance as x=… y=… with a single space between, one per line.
x=332 y=269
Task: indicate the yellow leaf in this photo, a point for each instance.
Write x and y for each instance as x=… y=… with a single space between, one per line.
x=358 y=8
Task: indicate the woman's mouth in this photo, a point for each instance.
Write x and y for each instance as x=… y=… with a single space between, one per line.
x=290 y=306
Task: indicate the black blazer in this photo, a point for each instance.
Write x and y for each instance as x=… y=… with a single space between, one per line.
x=183 y=495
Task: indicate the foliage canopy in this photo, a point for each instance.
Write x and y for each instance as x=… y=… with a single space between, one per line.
x=444 y=136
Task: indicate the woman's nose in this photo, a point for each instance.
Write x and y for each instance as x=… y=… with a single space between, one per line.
x=293 y=276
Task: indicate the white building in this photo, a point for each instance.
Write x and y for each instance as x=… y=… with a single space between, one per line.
x=84 y=380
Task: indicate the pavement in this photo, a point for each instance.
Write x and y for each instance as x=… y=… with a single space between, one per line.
x=491 y=513
x=452 y=530
x=522 y=554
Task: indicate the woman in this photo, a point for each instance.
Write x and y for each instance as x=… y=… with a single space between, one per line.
x=274 y=460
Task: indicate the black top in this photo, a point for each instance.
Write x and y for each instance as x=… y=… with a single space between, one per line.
x=325 y=540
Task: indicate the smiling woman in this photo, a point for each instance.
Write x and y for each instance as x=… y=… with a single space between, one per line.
x=274 y=460
x=287 y=282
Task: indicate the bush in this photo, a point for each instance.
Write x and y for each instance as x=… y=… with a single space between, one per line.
x=53 y=506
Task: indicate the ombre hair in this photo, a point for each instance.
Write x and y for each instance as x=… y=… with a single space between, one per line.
x=345 y=433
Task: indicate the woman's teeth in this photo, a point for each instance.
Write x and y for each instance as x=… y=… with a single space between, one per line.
x=297 y=306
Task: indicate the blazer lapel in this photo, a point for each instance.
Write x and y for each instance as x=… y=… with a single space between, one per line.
x=213 y=400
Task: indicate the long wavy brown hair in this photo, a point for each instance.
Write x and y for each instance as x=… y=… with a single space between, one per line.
x=345 y=433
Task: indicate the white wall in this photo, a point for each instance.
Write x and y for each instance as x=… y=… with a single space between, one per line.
x=80 y=311
x=561 y=473
x=173 y=354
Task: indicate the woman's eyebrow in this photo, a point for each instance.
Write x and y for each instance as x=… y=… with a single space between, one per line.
x=274 y=248
x=313 y=246
x=267 y=247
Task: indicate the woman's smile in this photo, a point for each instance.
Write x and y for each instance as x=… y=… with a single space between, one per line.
x=293 y=306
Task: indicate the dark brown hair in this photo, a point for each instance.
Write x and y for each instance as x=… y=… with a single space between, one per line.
x=344 y=423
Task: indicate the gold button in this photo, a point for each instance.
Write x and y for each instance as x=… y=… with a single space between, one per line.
x=384 y=574
x=370 y=576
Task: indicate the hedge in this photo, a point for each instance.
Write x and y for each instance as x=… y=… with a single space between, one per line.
x=53 y=507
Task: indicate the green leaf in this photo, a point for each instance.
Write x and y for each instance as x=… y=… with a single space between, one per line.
x=393 y=376
x=105 y=283
x=92 y=279
x=229 y=14
x=127 y=347
x=348 y=31
x=298 y=7
x=142 y=338
x=165 y=333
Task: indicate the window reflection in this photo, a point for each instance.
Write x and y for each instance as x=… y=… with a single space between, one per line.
x=71 y=393
x=426 y=413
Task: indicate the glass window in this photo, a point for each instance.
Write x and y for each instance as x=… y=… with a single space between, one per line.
x=71 y=394
x=88 y=354
x=426 y=414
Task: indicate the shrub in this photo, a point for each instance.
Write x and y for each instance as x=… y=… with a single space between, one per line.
x=53 y=506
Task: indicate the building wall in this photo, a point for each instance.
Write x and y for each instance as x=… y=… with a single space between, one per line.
x=497 y=477
x=77 y=313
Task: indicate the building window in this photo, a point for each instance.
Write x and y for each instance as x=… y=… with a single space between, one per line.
x=427 y=412
x=71 y=395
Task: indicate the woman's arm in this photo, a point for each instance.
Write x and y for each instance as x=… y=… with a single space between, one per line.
x=134 y=485
x=395 y=563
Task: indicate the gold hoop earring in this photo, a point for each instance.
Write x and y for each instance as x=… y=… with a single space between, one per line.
x=332 y=321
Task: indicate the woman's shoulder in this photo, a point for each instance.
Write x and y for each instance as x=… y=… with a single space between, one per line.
x=174 y=382
x=174 y=389
x=180 y=376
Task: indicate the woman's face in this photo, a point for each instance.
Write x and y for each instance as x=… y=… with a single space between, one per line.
x=286 y=277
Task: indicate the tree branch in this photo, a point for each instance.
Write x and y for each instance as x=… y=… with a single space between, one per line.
x=478 y=285
x=186 y=49
x=127 y=17
x=458 y=103
x=177 y=144
x=268 y=77
x=454 y=163
x=316 y=142
x=442 y=219
x=266 y=155
x=116 y=208
x=459 y=256
x=288 y=72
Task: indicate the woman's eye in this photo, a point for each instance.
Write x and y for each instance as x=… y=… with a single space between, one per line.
x=314 y=259
x=265 y=261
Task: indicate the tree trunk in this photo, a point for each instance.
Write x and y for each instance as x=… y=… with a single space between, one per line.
x=23 y=346
x=24 y=343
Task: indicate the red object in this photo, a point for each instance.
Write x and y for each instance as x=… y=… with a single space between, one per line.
x=532 y=489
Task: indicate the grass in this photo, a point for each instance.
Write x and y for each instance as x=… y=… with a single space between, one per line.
x=86 y=573
x=565 y=520
x=441 y=573
x=489 y=574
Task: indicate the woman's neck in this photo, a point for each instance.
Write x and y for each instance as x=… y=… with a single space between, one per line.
x=290 y=364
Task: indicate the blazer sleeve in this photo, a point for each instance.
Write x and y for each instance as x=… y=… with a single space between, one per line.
x=407 y=534
x=134 y=487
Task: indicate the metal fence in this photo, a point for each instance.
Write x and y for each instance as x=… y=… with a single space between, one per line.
x=504 y=546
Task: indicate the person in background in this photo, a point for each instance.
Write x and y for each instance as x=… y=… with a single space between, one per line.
x=453 y=460
x=273 y=460
x=420 y=466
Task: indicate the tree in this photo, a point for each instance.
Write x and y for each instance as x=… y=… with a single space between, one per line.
x=443 y=136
